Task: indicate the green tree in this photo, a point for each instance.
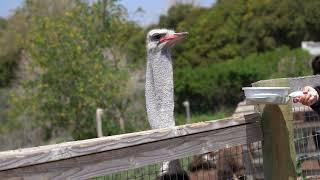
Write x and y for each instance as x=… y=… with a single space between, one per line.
x=77 y=65
x=218 y=85
x=3 y=23
x=238 y=28
x=14 y=29
x=236 y=31
x=175 y=15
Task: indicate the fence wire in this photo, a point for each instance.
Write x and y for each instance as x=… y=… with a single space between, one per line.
x=242 y=162
x=307 y=141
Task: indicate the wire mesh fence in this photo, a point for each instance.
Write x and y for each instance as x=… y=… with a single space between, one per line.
x=238 y=162
x=244 y=161
x=307 y=141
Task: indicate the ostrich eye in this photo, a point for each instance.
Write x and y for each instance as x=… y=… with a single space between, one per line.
x=156 y=37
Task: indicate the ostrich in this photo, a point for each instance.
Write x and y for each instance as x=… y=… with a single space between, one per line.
x=159 y=89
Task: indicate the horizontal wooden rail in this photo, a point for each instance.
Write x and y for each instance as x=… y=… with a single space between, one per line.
x=100 y=156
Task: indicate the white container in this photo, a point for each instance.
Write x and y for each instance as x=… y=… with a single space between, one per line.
x=266 y=95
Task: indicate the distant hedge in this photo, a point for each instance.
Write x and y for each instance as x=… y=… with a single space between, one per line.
x=210 y=88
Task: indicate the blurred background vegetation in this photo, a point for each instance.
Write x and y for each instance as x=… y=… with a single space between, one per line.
x=61 y=60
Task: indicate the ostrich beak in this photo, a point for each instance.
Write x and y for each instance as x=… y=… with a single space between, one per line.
x=181 y=34
x=173 y=37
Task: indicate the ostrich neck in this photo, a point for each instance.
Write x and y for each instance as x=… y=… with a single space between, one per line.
x=159 y=89
x=159 y=98
x=163 y=54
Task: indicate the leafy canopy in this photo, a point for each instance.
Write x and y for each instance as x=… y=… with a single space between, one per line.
x=73 y=75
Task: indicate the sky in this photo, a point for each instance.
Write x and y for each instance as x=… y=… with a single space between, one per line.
x=152 y=8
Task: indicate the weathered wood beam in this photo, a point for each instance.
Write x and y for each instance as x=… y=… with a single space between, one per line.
x=190 y=140
x=55 y=152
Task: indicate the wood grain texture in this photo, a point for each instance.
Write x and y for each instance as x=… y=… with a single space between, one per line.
x=43 y=154
x=279 y=156
x=129 y=157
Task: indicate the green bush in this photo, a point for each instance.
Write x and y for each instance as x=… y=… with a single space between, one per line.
x=219 y=85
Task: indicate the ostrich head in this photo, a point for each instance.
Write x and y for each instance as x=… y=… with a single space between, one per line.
x=158 y=39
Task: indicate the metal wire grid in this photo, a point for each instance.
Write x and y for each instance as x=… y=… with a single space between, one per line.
x=307 y=141
x=242 y=162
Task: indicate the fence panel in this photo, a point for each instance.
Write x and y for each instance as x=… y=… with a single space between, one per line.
x=101 y=156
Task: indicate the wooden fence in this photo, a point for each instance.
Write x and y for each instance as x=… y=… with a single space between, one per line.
x=285 y=128
x=95 y=157
x=100 y=156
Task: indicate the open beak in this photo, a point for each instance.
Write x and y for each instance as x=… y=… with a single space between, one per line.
x=173 y=37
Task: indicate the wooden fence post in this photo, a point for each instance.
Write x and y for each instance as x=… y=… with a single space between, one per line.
x=186 y=104
x=279 y=156
x=99 y=113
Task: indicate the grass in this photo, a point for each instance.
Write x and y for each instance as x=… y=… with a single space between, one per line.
x=181 y=118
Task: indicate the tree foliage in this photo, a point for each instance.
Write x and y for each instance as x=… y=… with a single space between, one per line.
x=218 y=85
x=77 y=59
x=238 y=28
x=82 y=55
x=3 y=23
x=13 y=32
x=225 y=36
